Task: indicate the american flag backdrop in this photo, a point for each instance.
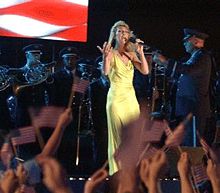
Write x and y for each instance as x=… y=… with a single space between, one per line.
x=45 y=19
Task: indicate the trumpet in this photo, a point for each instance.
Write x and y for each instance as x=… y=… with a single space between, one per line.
x=34 y=76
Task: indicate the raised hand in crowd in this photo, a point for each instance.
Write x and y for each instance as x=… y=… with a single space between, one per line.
x=91 y=184
x=214 y=153
x=9 y=182
x=65 y=118
x=54 y=176
x=183 y=167
x=213 y=172
x=126 y=181
x=21 y=174
x=6 y=155
x=55 y=139
x=150 y=169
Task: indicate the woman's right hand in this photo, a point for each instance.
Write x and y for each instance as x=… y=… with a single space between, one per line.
x=106 y=50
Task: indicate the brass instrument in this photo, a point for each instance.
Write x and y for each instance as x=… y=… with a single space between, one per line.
x=34 y=76
x=5 y=78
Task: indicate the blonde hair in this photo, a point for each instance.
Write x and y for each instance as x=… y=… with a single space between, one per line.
x=129 y=46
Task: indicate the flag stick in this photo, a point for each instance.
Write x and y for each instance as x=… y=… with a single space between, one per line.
x=72 y=91
x=39 y=138
x=142 y=154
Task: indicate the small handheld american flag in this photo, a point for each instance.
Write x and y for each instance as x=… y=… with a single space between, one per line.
x=199 y=173
x=46 y=116
x=80 y=85
x=23 y=135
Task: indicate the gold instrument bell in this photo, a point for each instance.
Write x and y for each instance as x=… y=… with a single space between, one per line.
x=7 y=76
x=33 y=76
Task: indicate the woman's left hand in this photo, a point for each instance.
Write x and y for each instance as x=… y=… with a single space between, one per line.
x=139 y=47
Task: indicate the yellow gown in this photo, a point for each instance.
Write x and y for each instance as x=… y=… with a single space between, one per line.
x=122 y=105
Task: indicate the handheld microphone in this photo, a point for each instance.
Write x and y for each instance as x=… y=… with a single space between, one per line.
x=134 y=40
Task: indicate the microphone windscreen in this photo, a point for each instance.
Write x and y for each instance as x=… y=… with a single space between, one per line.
x=132 y=40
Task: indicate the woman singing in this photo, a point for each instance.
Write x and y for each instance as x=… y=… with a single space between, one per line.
x=118 y=63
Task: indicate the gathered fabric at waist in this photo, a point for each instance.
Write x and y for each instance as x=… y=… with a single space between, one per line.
x=122 y=85
x=121 y=91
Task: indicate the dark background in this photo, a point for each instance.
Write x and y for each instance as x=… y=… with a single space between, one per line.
x=158 y=22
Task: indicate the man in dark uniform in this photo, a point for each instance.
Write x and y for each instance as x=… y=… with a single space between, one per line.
x=192 y=93
x=196 y=72
x=31 y=89
x=6 y=118
x=63 y=79
x=36 y=91
x=63 y=82
x=6 y=97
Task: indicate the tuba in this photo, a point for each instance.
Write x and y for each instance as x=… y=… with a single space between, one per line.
x=34 y=76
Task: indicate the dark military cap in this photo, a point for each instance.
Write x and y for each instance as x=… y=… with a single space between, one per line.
x=33 y=48
x=69 y=51
x=188 y=33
